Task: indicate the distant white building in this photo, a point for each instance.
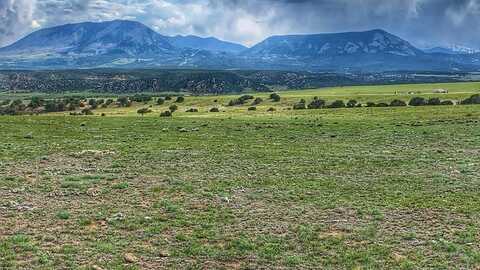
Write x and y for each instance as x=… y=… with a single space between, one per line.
x=440 y=91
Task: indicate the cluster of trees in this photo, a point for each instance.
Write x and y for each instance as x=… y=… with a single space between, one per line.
x=243 y=99
x=38 y=105
x=317 y=103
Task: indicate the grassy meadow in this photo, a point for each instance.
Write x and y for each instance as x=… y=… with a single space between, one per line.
x=350 y=188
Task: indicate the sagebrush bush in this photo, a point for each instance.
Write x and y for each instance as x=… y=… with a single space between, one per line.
x=352 y=103
x=275 y=97
x=166 y=114
x=417 y=101
x=474 y=99
x=316 y=103
x=257 y=101
x=398 y=103
x=447 y=102
x=173 y=108
x=143 y=111
x=434 y=102
x=180 y=99
x=337 y=104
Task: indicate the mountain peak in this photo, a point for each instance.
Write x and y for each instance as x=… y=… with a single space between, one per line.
x=375 y=41
x=120 y=37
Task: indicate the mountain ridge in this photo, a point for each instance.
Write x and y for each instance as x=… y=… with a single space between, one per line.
x=130 y=44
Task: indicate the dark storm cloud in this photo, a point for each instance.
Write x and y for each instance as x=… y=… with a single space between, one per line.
x=15 y=17
x=423 y=22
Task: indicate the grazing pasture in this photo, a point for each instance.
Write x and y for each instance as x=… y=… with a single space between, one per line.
x=271 y=188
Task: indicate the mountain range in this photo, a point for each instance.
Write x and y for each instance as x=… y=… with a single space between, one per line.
x=130 y=44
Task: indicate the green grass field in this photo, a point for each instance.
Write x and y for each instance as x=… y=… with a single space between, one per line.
x=362 y=188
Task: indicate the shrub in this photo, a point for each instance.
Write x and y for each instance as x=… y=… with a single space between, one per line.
x=143 y=111
x=35 y=102
x=63 y=214
x=316 y=103
x=417 y=101
x=192 y=110
x=214 y=109
x=141 y=98
x=337 y=104
x=252 y=108
x=235 y=102
x=434 y=101
x=271 y=109
x=55 y=106
x=398 y=103
x=93 y=103
x=160 y=101
x=180 y=99
x=382 y=104
x=109 y=101
x=246 y=97
x=166 y=114
x=124 y=102
x=257 y=101
x=299 y=106
x=168 y=98
x=352 y=103
x=371 y=104
x=173 y=108
x=474 y=99
x=447 y=102
x=275 y=97
x=87 y=111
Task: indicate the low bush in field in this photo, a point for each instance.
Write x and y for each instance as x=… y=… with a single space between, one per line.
x=160 y=101
x=173 y=108
x=434 y=102
x=398 y=103
x=252 y=108
x=192 y=110
x=180 y=99
x=240 y=101
x=214 y=109
x=447 y=102
x=300 y=105
x=141 y=98
x=87 y=112
x=257 y=101
x=417 y=101
x=275 y=97
x=143 y=111
x=474 y=99
x=382 y=104
x=166 y=114
x=271 y=109
x=352 y=103
x=317 y=103
x=337 y=104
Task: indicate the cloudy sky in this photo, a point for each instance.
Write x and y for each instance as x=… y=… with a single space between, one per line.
x=425 y=23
